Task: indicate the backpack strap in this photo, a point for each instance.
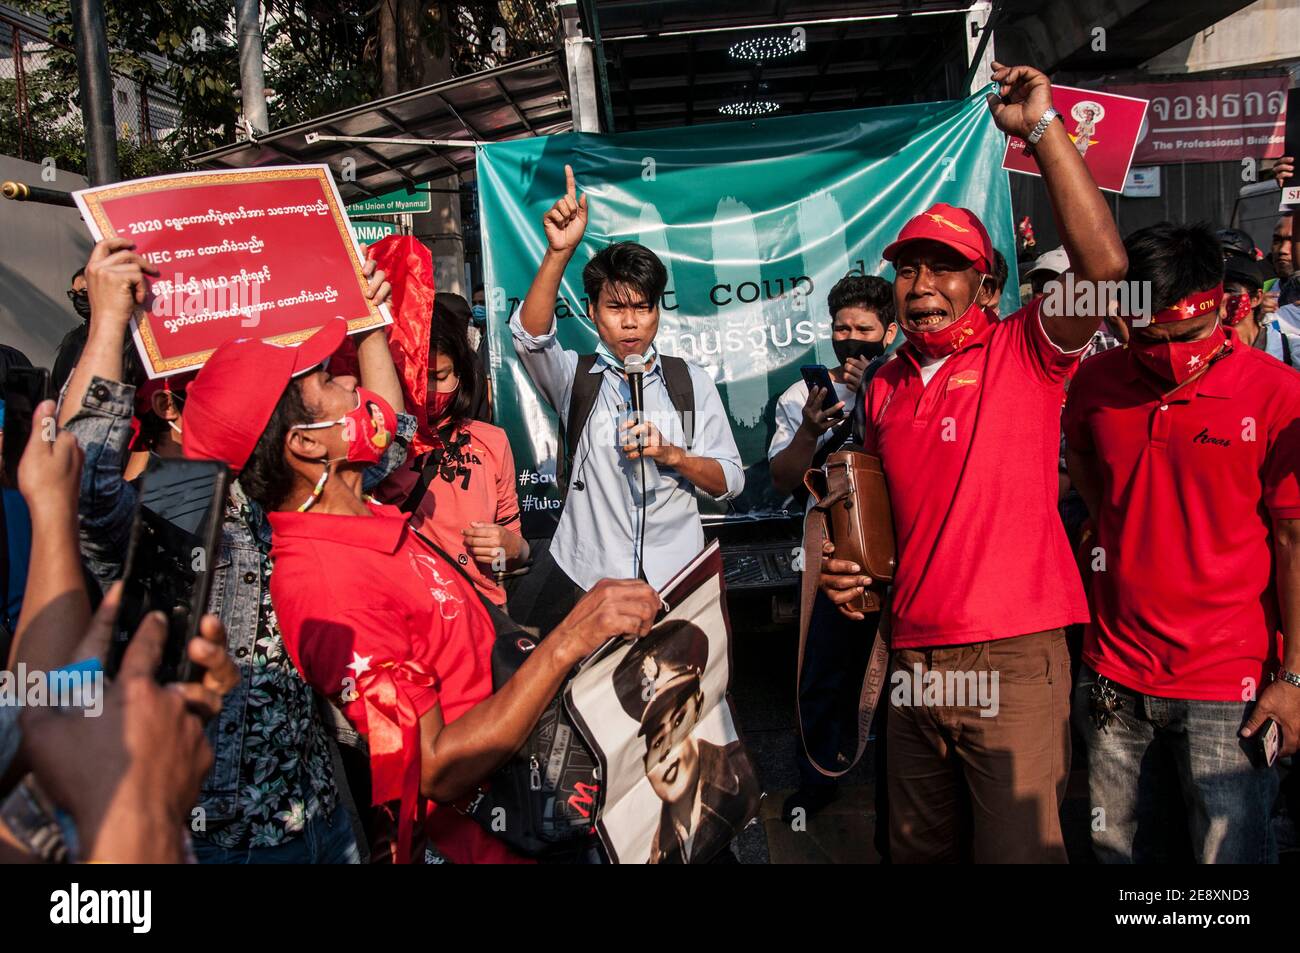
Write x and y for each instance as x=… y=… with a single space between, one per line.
x=582 y=401
x=1287 y=357
x=433 y=462
x=681 y=391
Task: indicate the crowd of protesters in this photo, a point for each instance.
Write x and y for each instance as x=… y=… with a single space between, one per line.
x=1101 y=509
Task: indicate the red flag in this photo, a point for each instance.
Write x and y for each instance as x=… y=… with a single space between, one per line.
x=408 y=266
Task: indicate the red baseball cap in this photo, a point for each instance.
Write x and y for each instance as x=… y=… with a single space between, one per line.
x=231 y=400
x=958 y=228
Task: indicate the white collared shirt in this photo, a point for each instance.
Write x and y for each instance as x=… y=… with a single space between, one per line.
x=600 y=525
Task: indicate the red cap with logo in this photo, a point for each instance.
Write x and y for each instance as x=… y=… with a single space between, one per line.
x=230 y=402
x=958 y=228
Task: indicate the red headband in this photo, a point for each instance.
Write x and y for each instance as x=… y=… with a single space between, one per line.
x=1193 y=306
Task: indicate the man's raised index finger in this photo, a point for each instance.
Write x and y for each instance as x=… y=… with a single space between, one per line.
x=570 y=187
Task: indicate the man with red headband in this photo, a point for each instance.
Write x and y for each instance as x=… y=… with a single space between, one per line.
x=1186 y=447
x=967 y=426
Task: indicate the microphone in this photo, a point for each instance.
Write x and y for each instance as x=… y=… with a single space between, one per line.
x=634 y=368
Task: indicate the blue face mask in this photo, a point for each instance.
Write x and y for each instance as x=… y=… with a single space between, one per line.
x=479 y=313
x=602 y=350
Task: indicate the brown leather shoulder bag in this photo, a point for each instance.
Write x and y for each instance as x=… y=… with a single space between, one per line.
x=851 y=509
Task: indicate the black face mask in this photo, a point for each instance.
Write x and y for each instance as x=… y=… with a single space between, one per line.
x=80 y=303
x=853 y=348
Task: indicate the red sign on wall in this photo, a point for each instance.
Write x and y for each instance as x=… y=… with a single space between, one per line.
x=243 y=253
x=1213 y=120
x=1103 y=128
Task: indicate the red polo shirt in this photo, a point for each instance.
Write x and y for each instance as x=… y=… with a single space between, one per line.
x=1186 y=606
x=971 y=460
x=376 y=620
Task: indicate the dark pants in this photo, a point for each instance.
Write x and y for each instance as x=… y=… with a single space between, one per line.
x=1155 y=752
x=970 y=780
x=544 y=595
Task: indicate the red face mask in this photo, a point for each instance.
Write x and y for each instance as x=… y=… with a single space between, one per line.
x=973 y=322
x=368 y=429
x=1238 y=309
x=1178 y=361
x=438 y=404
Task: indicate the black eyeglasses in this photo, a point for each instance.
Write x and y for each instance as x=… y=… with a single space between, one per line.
x=73 y=295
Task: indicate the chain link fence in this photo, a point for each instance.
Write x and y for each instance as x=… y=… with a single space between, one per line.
x=40 y=113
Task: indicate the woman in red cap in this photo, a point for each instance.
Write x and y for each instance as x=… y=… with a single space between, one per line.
x=376 y=618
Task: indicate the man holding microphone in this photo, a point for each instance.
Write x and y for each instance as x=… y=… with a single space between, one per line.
x=630 y=509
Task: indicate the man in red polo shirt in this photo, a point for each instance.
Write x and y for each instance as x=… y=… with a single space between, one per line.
x=967 y=426
x=1186 y=447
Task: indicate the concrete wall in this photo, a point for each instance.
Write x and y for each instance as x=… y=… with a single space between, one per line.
x=40 y=247
x=1267 y=31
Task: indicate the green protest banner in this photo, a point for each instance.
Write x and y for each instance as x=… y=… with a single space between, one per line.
x=756 y=221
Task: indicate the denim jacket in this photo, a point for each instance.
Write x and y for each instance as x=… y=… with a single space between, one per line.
x=102 y=426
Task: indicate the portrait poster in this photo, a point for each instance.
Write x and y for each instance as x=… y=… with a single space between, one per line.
x=678 y=784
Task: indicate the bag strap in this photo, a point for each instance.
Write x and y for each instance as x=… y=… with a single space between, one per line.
x=432 y=463
x=1286 y=350
x=582 y=401
x=502 y=624
x=681 y=391
x=873 y=680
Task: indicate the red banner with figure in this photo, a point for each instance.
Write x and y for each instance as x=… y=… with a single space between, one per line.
x=1212 y=120
x=1104 y=129
x=242 y=253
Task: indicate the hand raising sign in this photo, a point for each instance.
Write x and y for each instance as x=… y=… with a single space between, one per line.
x=567 y=219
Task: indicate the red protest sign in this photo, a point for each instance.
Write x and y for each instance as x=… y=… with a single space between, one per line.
x=242 y=253
x=1103 y=127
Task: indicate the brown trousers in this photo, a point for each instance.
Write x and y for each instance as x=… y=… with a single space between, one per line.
x=967 y=787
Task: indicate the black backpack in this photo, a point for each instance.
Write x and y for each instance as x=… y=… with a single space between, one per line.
x=586 y=387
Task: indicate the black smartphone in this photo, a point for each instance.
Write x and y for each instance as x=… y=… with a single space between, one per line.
x=175 y=541
x=25 y=387
x=816 y=375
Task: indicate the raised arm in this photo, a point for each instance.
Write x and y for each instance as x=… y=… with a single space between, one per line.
x=56 y=609
x=374 y=358
x=116 y=282
x=564 y=225
x=1083 y=219
x=456 y=757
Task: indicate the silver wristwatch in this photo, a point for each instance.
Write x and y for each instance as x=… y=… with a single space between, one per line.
x=1291 y=678
x=1040 y=129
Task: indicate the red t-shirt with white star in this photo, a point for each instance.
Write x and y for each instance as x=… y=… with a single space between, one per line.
x=364 y=605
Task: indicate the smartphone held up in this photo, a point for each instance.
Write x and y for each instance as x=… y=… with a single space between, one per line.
x=170 y=559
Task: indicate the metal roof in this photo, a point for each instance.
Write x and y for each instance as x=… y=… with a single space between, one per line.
x=527 y=98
